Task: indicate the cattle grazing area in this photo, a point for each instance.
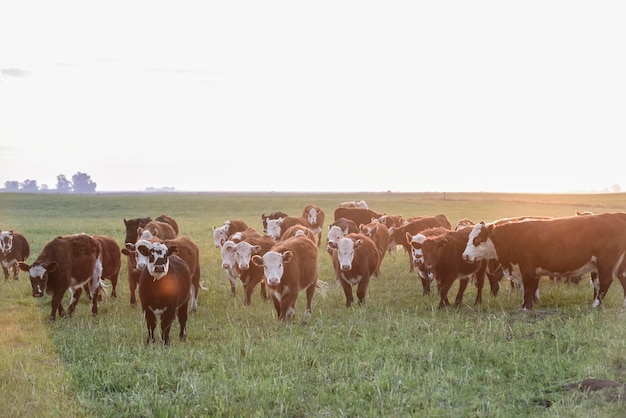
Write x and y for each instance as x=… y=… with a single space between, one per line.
x=402 y=352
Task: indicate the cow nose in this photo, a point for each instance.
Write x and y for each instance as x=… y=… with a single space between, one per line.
x=345 y=267
x=272 y=281
x=140 y=266
x=225 y=266
x=244 y=266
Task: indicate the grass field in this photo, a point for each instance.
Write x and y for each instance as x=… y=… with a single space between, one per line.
x=396 y=355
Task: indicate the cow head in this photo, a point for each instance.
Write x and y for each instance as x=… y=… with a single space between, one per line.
x=220 y=235
x=479 y=244
x=432 y=249
x=244 y=251
x=6 y=242
x=311 y=216
x=158 y=255
x=139 y=248
x=38 y=273
x=345 y=252
x=417 y=254
x=273 y=229
x=335 y=233
x=228 y=254
x=273 y=264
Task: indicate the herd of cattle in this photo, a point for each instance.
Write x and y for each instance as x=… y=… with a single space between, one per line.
x=283 y=259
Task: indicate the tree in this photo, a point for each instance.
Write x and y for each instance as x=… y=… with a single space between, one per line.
x=83 y=183
x=63 y=184
x=30 y=186
x=12 y=186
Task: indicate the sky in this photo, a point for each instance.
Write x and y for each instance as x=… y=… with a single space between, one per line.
x=324 y=96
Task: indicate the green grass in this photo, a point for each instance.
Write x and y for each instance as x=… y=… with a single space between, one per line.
x=397 y=355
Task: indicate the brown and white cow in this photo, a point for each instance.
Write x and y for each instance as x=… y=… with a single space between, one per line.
x=315 y=217
x=273 y=215
x=337 y=230
x=228 y=228
x=444 y=263
x=398 y=235
x=290 y=267
x=463 y=222
x=357 y=215
x=237 y=255
x=164 y=290
x=14 y=248
x=133 y=224
x=66 y=262
x=355 y=261
x=299 y=229
x=417 y=256
x=568 y=246
x=277 y=227
x=159 y=229
x=378 y=233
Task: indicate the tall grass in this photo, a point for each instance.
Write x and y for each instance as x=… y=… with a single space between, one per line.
x=397 y=355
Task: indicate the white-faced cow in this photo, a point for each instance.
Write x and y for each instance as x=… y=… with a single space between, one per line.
x=133 y=224
x=66 y=262
x=566 y=247
x=14 y=248
x=443 y=262
x=164 y=290
x=315 y=217
x=463 y=222
x=355 y=261
x=290 y=267
x=337 y=230
x=273 y=215
x=398 y=235
x=378 y=233
x=237 y=255
x=417 y=255
x=277 y=227
x=228 y=228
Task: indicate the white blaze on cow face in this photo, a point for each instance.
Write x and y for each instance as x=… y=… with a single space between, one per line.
x=312 y=216
x=479 y=244
x=220 y=235
x=417 y=255
x=228 y=254
x=158 y=260
x=274 y=266
x=38 y=279
x=243 y=254
x=141 y=256
x=6 y=242
x=345 y=253
x=335 y=233
x=273 y=228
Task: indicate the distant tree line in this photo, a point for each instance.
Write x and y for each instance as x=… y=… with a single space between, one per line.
x=80 y=183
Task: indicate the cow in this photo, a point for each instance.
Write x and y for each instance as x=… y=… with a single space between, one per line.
x=273 y=215
x=378 y=233
x=163 y=230
x=567 y=246
x=164 y=290
x=299 y=229
x=338 y=230
x=357 y=215
x=391 y=220
x=444 y=262
x=355 y=260
x=398 y=235
x=14 y=247
x=462 y=223
x=315 y=217
x=66 y=262
x=187 y=250
x=133 y=224
x=237 y=255
x=276 y=227
x=354 y=204
x=417 y=256
x=111 y=261
x=228 y=228
x=290 y=267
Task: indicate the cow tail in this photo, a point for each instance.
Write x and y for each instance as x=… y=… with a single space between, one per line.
x=321 y=287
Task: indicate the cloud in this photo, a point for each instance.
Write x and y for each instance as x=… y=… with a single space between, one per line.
x=15 y=72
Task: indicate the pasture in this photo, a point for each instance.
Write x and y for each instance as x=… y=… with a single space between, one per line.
x=396 y=355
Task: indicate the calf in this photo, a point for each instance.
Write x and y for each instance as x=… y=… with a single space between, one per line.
x=355 y=261
x=378 y=233
x=237 y=256
x=567 y=247
x=66 y=262
x=164 y=290
x=14 y=248
x=338 y=230
x=133 y=224
x=315 y=217
x=290 y=267
x=163 y=230
x=417 y=255
x=443 y=262
x=228 y=228
x=273 y=215
x=277 y=227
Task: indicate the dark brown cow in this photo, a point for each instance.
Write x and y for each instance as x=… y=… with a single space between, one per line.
x=273 y=215
x=315 y=217
x=277 y=227
x=357 y=215
x=111 y=261
x=133 y=224
x=164 y=290
x=355 y=261
x=66 y=262
x=237 y=255
x=290 y=267
x=417 y=256
x=566 y=247
x=14 y=248
x=398 y=235
x=443 y=262
x=378 y=233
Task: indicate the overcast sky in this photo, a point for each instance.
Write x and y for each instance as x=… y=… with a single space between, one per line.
x=524 y=96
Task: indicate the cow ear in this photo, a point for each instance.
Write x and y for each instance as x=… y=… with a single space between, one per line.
x=52 y=266
x=409 y=237
x=126 y=252
x=130 y=246
x=23 y=266
x=143 y=250
x=332 y=244
x=256 y=249
x=287 y=256
x=257 y=260
x=172 y=250
x=490 y=229
x=358 y=243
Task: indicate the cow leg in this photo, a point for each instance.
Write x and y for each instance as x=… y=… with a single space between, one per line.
x=276 y=302
x=425 y=285
x=6 y=272
x=16 y=272
x=56 y=306
x=75 y=292
x=347 y=290
x=232 y=277
x=167 y=319
x=595 y=283
x=264 y=294
x=530 y=287
x=361 y=290
x=480 y=283
x=459 y=294
x=150 y=324
x=605 y=279
x=309 y=300
x=287 y=304
x=183 y=314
